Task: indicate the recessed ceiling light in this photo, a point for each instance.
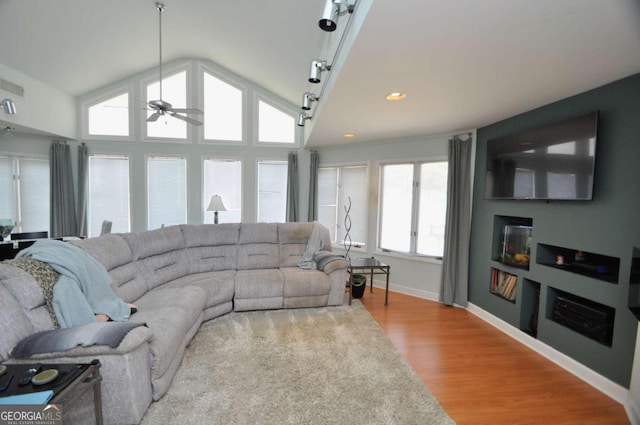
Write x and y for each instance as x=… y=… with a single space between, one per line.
x=349 y=135
x=396 y=95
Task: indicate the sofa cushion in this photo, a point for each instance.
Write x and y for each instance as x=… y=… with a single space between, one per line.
x=293 y=239
x=251 y=233
x=258 y=246
x=170 y=313
x=258 y=256
x=259 y=284
x=154 y=242
x=212 y=258
x=162 y=268
x=115 y=254
x=15 y=324
x=211 y=234
x=110 y=250
x=219 y=286
x=27 y=294
x=302 y=283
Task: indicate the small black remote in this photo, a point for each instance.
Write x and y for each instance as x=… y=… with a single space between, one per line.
x=30 y=373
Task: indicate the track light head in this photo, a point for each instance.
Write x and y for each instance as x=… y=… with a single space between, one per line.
x=307 y=98
x=317 y=66
x=302 y=118
x=9 y=106
x=330 y=13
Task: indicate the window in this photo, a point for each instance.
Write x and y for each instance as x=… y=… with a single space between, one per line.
x=108 y=195
x=223 y=177
x=174 y=91
x=275 y=125
x=111 y=117
x=339 y=187
x=166 y=191
x=26 y=196
x=272 y=191
x=413 y=207
x=222 y=110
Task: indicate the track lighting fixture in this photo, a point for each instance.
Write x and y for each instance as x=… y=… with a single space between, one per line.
x=329 y=20
x=331 y=12
x=317 y=66
x=9 y=106
x=307 y=98
x=302 y=118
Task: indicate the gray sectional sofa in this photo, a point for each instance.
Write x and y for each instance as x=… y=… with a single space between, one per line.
x=178 y=277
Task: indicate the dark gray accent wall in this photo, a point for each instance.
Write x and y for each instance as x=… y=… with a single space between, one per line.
x=608 y=225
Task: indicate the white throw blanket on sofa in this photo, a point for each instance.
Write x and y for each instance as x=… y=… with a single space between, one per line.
x=84 y=287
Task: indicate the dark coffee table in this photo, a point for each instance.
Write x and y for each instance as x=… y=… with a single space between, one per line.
x=373 y=266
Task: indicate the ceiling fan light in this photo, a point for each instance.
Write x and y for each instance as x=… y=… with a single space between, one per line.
x=329 y=18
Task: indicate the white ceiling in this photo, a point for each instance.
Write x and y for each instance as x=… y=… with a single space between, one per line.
x=462 y=63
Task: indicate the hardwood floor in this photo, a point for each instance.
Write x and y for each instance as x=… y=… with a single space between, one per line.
x=482 y=376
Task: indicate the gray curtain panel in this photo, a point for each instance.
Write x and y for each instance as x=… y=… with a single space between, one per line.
x=313 y=186
x=455 y=263
x=83 y=168
x=292 y=187
x=62 y=200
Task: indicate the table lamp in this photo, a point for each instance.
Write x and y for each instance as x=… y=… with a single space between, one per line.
x=216 y=205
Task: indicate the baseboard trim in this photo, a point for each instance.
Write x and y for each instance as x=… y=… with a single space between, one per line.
x=604 y=385
x=407 y=290
x=633 y=412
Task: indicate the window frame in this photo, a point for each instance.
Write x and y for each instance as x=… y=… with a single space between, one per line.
x=234 y=82
x=101 y=97
x=205 y=201
x=130 y=163
x=415 y=203
x=336 y=244
x=280 y=105
x=258 y=161
x=191 y=101
x=17 y=207
x=149 y=156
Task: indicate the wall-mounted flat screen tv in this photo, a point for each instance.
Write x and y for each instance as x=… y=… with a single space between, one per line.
x=555 y=162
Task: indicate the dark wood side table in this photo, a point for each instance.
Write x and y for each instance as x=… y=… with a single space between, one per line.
x=373 y=266
x=73 y=380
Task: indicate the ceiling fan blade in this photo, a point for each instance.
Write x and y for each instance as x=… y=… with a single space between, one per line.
x=183 y=118
x=188 y=110
x=154 y=117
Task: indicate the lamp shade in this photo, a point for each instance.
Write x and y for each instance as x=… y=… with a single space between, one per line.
x=216 y=204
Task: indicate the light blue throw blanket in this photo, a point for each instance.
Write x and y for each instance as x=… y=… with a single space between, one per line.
x=84 y=287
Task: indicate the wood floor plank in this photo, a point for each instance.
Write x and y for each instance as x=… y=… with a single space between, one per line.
x=480 y=375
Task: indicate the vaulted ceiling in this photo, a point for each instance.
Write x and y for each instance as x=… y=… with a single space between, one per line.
x=462 y=64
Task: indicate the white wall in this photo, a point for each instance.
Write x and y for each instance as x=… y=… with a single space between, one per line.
x=43 y=109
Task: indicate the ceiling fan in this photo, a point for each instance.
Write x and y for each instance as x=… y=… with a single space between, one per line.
x=160 y=106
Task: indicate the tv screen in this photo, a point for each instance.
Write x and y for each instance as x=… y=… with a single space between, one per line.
x=554 y=162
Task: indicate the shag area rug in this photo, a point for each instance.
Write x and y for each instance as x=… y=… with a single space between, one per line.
x=328 y=365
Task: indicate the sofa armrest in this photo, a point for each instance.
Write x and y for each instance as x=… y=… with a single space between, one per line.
x=132 y=340
x=329 y=262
